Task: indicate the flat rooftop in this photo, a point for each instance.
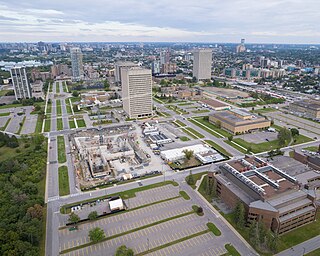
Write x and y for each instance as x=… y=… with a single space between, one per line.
x=214 y=103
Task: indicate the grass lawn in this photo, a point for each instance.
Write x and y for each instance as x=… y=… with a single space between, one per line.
x=313 y=149
x=184 y=138
x=197 y=134
x=265 y=110
x=299 y=235
x=81 y=123
x=39 y=124
x=57 y=87
x=207 y=126
x=195 y=177
x=200 y=111
x=72 y=124
x=69 y=111
x=301 y=139
x=218 y=147
x=314 y=253
x=5 y=152
x=177 y=109
x=235 y=146
x=4 y=92
x=61 y=150
x=195 y=208
x=213 y=229
x=58 y=106
x=5 y=126
x=179 y=123
x=10 y=106
x=184 y=195
x=49 y=108
x=47 y=125
x=75 y=99
x=63 y=181
x=59 y=124
x=5 y=114
x=231 y=250
x=185 y=104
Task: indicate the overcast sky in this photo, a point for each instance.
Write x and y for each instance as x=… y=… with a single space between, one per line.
x=259 y=21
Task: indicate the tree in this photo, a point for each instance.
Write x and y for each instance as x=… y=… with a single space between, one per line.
x=294 y=132
x=124 y=251
x=284 y=136
x=188 y=154
x=230 y=138
x=75 y=93
x=37 y=107
x=189 y=178
x=35 y=211
x=253 y=236
x=239 y=215
x=93 y=215
x=96 y=235
x=74 y=218
x=218 y=124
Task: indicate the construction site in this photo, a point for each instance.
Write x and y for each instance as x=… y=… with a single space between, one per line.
x=107 y=154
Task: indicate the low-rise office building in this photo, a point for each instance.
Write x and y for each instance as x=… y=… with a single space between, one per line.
x=239 y=121
x=307 y=108
x=268 y=194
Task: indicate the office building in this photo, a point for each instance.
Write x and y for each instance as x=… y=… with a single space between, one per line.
x=165 y=57
x=76 y=63
x=241 y=47
x=136 y=91
x=118 y=66
x=306 y=108
x=21 y=86
x=169 y=68
x=239 y=121
x=156 y=67
x=60 y=69
x=269 y=194
x=202 y=59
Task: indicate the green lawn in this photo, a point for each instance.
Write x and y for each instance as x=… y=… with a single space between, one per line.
x=191 y=130
x=218 y=147
x=58 y=107
x=213 y=229
x=4 y=92
x=39 y=124
x=61 y=150
x=265 y=110
x=184 y=138
x=11 y=106
x=57 y=87
x=184 y=195
x=301 y=139
x=206 y=125
x=47 y=125
x=231 y=250
x=179 y=123
x=313 y=149
x=5 y=114
x=81 y=123
x=63 y=181
x=177 y=109
x=59 y=124
x=195 y=178
x=69 y=111
x=5 y=125
x=314 y=253
x=49 y=108
x=200 y=111
x=72 y=124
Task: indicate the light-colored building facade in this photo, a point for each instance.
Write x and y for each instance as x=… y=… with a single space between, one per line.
x=118 y=66
x=239 y=121
x=76 y=63
x=307 y=108
x=21 y=86
x=137 y=92
x=202 y=59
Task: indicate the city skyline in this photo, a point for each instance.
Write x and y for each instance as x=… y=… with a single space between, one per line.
x=286 y=21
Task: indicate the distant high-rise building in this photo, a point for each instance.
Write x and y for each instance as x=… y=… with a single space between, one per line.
x=119 y=65
x=169 y=68
x=156 y=67
x=60 y=69
x=165 y=57
x=21 y=86
x=241 y=47
x=76 y=63
x=202 y=59
x=136 y=91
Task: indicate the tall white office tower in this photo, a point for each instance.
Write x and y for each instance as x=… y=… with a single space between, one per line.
x=76 y=63
x=21 y=86
x=118 y=66
x=202 y=59
x=136 y=91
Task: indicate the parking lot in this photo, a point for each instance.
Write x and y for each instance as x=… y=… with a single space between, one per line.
x=258 y=137
x=151 y=226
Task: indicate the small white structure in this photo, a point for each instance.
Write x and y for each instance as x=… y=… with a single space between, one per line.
x=116 y=205
x=177 y=153
x=150 y=129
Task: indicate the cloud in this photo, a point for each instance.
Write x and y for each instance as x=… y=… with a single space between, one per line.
x=162 y=20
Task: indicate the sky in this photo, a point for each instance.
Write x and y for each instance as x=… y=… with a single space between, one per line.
x=258 y=21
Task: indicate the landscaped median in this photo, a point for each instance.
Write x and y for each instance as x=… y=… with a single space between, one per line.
x=63 y=181
x=61 y=150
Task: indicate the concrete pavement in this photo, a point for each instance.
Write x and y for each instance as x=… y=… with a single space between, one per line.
x=303 y=248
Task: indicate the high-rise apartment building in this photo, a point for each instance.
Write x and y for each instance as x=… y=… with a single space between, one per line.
x=118 y=66
x=136 y=91
x=21 y=86
x=202 y=59
x=156 y=67
x=165 y=57
x=76 y=63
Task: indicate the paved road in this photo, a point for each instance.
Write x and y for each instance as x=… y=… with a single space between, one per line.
x=303 y=248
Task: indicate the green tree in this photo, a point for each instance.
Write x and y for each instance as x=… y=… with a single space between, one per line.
x=124 y=251
x=230 y=138
x=239 y=215
x=253 y=234
x=189 y=178
x=294 y=132
x=188 y=154
x=218 y=124
x=106 y=85
x=93 y=215
x=96 y=235
x=75 y=94
x=73 y=218
x=284 y=136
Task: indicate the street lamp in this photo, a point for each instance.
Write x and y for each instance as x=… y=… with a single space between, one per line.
x=148 y=244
